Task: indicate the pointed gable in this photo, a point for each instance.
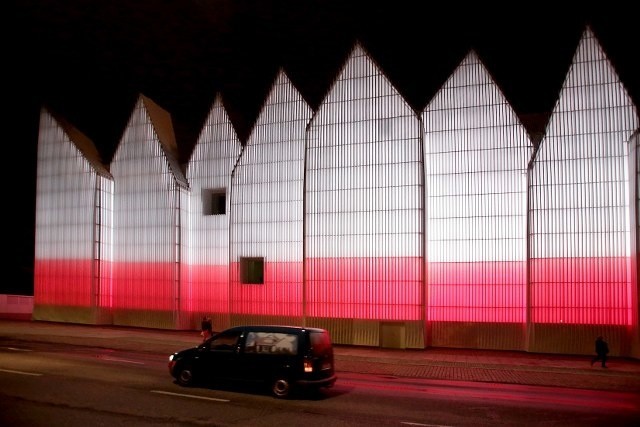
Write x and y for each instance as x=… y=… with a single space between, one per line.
x=471 y=103
x=217 y=144
x=592 y=92
x=283 y=101
x=150 y=123
x=81 y=142
x=372 y=83
x=163 y=125
x=470 y=89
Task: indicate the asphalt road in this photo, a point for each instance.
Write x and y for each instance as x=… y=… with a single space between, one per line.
x=45 y=383
x=494 y=366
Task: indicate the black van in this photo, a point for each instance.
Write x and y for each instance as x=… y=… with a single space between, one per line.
x=286 y=358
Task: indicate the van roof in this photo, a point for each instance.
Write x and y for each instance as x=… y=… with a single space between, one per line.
x=280 y=328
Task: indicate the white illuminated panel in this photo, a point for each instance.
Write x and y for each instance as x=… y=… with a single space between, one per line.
x=364 y=191
x=148 y=191
x=579 y=198
x=476 y=156
x=212 y=161
x=73 y=221
x=635 y=286
x=267 y=204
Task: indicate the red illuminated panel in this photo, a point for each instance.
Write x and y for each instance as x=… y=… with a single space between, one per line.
x=279 y=295
x=207 y=290
x=63 y=282
x=593 y=291
x=146 y=286
x=365 y=288
x=477 y=292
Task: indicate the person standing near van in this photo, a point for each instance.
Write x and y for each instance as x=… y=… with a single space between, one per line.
x=207 y=329
x=602 y=349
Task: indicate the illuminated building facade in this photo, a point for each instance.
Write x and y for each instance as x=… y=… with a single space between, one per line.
x=149 y=205
x=580 y=249
x=267 y=194
x=476 y=158
x=205 y=290
x=447 y=227
x=74 y=232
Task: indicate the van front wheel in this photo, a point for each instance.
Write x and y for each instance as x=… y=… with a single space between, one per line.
x=185 y=376
x=281 y=387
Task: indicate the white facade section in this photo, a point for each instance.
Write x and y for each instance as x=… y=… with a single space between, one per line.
x=364 y=199
x=209 y=171
x=476 y=157
x=267 y=203
x=148 y=193
x=634 y=161
x=73 y=231
x=579 y=197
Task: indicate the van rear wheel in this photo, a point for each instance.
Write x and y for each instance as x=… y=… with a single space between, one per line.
x=281 y=387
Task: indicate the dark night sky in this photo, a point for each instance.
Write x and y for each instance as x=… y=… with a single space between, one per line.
x=89 y=60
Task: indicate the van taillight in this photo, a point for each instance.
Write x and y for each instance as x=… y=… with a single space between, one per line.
x=308 y=366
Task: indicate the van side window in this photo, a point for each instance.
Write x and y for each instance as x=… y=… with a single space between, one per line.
x=225 y=341
x=271 y=343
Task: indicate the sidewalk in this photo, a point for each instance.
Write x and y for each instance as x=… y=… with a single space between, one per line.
x=511 y=367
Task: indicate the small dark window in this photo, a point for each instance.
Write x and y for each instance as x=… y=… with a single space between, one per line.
x=252 y=270
x=214 y=202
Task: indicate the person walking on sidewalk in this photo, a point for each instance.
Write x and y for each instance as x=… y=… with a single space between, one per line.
x=602 y=349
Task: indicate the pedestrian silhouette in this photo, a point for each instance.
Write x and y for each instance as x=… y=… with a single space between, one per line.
x=602 y=349
x=207 y=328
